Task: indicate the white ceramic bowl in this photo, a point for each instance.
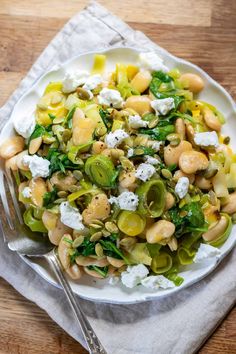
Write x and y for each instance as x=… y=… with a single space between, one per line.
x=100 y=290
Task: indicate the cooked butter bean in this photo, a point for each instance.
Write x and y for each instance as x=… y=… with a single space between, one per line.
x=169 y=201
x=98 y=147
x=180 y=128
x=11 y=147
x=178 y=174
x=141 y=104
x=172 y=153
x=192 y=82
x=38 y=189
x=193 y=161
x=203 y=183
x=35 y=145
x=230 y=206
x=141 y=81
x=217 y=230
x=211 y=120
x=160 y=231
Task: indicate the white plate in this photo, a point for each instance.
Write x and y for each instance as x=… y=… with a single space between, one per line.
x=213 y=93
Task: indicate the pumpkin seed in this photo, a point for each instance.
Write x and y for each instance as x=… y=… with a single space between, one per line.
x=42 y=106
x=78 y=175
x=106 y=233
x=111 y=227
x=212 y=198
x=233 y=218
x=175 y=142
x=60 y=200
x=74 y=188
x=101 y=131
x=98 y=222
x=95 y=237
x=166 y=173
x=78 y=241
x=226 y=140
x=139 y=151
x=128 y=243
x=153 y=123
x=95 y=226
x=48 y=139
x=66 y=135
x=62 y=194
x=82 y=93
x=172 y=136
x=99 y=250
x=126 y=163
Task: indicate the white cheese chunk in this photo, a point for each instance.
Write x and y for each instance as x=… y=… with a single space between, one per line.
x=206 y=139
x=71 y=216
x=72 y=80
x=130 y=152
x=145 y=171
x=156 y=145
x=113 y=139
x=136 y=122
x=151 y=160
x=163 y=106
x=109 y=97
x=151 y=61
x=92 y=82
x=181 y=188
x=205 y=252
x=39 y=167
x=126 y=201
x=155 y=282
x=134 y=275
x=26 y=192
x=25 y=125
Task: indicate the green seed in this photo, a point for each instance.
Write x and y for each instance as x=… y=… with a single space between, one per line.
x=99 y=250
x=78 y=175
x=226 y=140
x=62 y=194
x=166 y=173
x=126 y=163
x=106 y=233
x=173 y=136
x=233 y=218
x=66 y=135
x=82 y=93
x=95 y=226
x=74 y=188
x=139 y=151
x=95 y=237
x=78 y=241
x=175 y=142
x=153 y=123
x=111 y=227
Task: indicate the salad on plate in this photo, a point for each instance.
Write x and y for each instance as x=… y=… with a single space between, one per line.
x=127 y=172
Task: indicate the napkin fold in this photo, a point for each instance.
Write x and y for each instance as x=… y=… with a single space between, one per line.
x=177 y=324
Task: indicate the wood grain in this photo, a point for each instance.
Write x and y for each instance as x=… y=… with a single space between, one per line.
x=202 y=31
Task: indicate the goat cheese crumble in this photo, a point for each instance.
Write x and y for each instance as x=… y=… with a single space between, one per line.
x=151 y=160
x=205 y=252
x=92 y=82
x=145 y=171
x=155 y=282
x=181 y=188
x=156 y=145
x=24 y=126
x=134 y=275
x=126 y=201
x=206 y=139
x=71 y=216
x=163 y=106
x=151 y=61
x=109 y=97
x=113 y=139
x=72 y=80
x=39 y=167
x=130 y=152
x=136 y=122
x=26 y=192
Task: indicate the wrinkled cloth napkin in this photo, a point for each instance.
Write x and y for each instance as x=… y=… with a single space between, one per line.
x=178 y=324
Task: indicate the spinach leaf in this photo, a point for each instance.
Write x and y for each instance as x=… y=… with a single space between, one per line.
x=39 y=130
x=51 y=116
x=106 y=117
x=59 y=162
x=159 y=133
x=195 y=216
x=100 y=270
x=162 y=76
x=110 y=249
x=49 y=198
x=142 y=150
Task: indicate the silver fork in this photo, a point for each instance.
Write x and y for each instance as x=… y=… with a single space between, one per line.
x=27 y=243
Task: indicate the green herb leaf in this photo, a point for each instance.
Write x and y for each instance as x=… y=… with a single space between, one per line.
x=39 y=130
x=49 y=198
x=110 y=249
x=106 y=117
x=163 y=77
x=51 y=116
x=67 y=240
x=69 y=117
x=100 y=270
x=159 y=133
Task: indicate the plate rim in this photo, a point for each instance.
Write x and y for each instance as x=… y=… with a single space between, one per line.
x=162 y=52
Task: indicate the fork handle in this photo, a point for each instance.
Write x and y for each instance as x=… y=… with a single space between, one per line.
x=93 y=343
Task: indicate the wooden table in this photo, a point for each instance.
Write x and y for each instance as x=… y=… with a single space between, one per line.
x=202 y=31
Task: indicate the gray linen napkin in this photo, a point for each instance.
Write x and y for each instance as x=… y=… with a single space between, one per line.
x=178 y=324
